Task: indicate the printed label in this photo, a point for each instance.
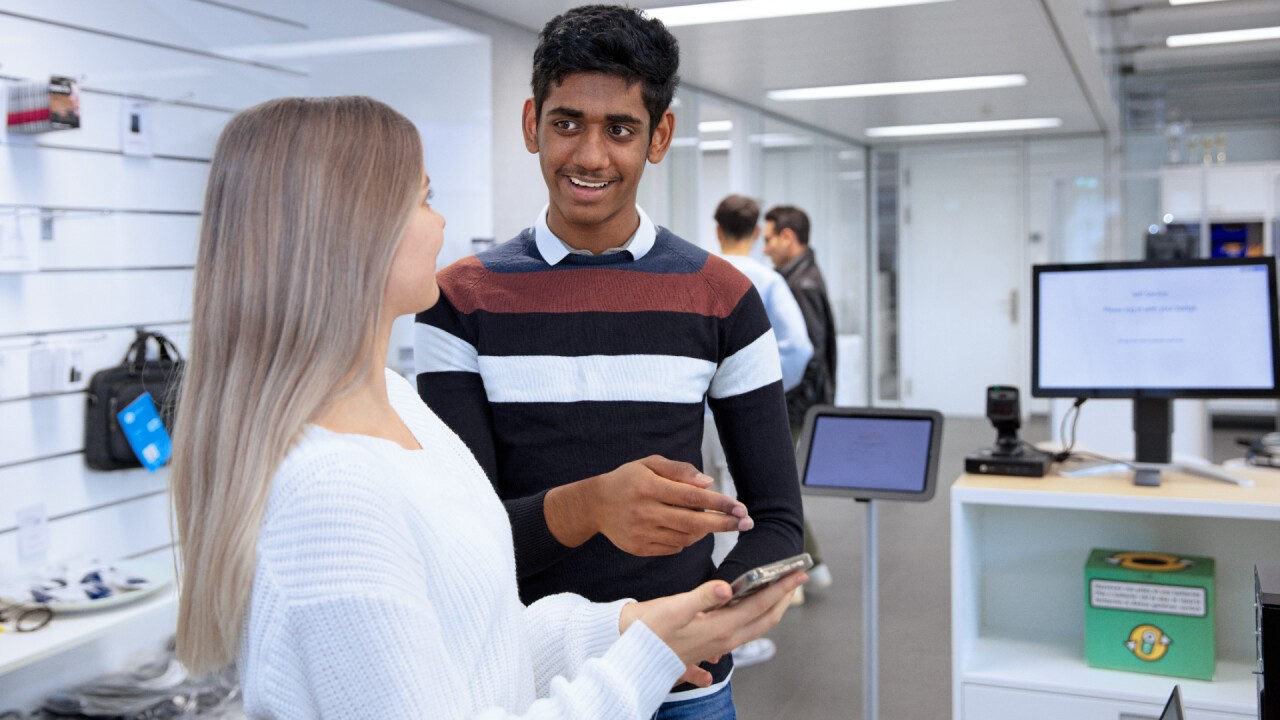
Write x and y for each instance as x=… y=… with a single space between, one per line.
x=1148 y=597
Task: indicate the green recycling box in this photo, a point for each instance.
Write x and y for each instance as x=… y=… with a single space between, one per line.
x=1149 y=612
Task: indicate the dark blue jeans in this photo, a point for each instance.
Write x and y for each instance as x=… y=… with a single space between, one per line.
x=717 y=706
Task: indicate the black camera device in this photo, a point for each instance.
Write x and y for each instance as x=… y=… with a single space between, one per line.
x=1007 y=456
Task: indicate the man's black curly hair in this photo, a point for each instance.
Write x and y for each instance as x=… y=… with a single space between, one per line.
x=614 y=40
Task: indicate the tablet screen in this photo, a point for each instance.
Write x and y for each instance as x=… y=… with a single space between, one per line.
x=869 y=453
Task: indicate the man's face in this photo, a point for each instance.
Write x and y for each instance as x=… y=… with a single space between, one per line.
x=592 y=142
x=777 y=245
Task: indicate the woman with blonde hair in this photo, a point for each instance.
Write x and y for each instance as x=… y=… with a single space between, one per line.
x=338 y=541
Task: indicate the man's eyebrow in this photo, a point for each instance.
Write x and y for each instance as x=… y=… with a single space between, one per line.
x=566 y=112
x=578 y=115
x=623 y=118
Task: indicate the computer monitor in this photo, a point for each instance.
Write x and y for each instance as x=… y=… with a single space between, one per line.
x=1173 y=709
x=1177 y=242
x=870 y=453
x=1154 y=331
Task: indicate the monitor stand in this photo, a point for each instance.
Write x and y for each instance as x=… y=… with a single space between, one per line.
x=1153 y=446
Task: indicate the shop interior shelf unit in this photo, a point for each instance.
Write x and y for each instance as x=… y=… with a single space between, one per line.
x=1018 y=550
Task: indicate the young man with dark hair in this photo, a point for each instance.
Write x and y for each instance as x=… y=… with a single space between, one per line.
x=593 y=339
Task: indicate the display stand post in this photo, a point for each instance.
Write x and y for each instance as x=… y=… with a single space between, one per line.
x=870 y=617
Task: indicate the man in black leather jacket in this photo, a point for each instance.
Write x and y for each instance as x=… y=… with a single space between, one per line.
x=786 y=242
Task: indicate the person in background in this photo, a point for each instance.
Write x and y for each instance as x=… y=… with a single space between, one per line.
x=337 y=541
x=594 y=337
x=737 y=228
x=786 y=242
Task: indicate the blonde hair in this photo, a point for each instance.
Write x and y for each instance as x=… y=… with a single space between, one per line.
x=306 y=202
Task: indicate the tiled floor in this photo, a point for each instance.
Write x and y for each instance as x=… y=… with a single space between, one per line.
x=817 y=674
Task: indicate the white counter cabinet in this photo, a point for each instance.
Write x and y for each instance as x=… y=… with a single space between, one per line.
x=1018 y=550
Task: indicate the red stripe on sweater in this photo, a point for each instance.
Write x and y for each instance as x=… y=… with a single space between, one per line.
x=471 y=287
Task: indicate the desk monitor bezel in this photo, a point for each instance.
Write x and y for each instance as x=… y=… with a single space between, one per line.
x=805 y=446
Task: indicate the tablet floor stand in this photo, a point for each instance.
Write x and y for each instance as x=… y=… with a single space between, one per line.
x=870 y=454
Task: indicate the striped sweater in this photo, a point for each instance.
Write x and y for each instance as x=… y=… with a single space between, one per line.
x=555 y=373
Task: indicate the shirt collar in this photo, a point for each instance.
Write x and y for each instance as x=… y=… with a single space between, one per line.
x=553 y=249
x=795 y=261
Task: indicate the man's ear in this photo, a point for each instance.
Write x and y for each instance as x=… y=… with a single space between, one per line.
x=789 y=237
x=662 y=135
x=755 y=233
x=529 y=126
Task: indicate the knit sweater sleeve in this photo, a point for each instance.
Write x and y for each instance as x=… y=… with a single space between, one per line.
x=368 y=633
x=747 y=400
x=449 y=381
x=567 y=630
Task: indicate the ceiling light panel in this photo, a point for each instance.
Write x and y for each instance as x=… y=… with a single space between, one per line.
x=714 y=126
x=1226 y=36
x=738 y=10
x=906 y=87
x=963 y=127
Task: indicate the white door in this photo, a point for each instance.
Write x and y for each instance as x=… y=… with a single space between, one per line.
x=961 y=280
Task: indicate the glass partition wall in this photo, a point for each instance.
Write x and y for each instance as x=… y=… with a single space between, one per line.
x=722 y=147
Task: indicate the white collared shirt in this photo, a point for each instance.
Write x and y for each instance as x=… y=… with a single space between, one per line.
x=553 y=249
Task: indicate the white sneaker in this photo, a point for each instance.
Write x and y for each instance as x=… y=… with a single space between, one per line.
x=819 y=577
x=755 y=652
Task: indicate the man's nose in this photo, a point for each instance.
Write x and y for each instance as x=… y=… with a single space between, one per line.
x=592 y=153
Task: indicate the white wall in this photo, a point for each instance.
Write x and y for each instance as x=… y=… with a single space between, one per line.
x=518 y=190
x=123 y=229
x=1045 y=214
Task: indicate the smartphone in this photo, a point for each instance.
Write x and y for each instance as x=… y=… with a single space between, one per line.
x=755 y=580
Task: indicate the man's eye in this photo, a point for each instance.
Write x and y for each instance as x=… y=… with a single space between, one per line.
x=621 y=130
x=566 y=125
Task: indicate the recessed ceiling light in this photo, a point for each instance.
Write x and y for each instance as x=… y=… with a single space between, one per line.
x=776 y=140
x=963 y=127
x=1226 y=36
x=734 y=10
x=1191 y=2
x=711 y=126
x=715 y=145
x=905 y=87
x=351 y=45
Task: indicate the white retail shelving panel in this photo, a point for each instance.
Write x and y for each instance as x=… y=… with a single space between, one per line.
x=92 y=240
x=127 y=528
x=1018 y=552
x=66 y=486
x=179 y=131
x=119 y=64
x=62 y=178
x=81 y=301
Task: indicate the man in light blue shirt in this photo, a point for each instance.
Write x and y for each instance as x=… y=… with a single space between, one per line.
x=737 y=229
x=737 y=218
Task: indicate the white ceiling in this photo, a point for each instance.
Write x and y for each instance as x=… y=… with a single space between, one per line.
x=1050 y=41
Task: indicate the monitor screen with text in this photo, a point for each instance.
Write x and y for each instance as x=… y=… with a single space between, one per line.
x=1192 y=329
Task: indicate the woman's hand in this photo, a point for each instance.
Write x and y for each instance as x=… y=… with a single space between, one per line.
x=696 y=626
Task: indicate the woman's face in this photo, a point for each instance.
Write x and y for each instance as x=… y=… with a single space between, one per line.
x=412 y=285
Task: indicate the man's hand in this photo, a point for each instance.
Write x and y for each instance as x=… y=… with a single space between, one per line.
x=653 y=506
